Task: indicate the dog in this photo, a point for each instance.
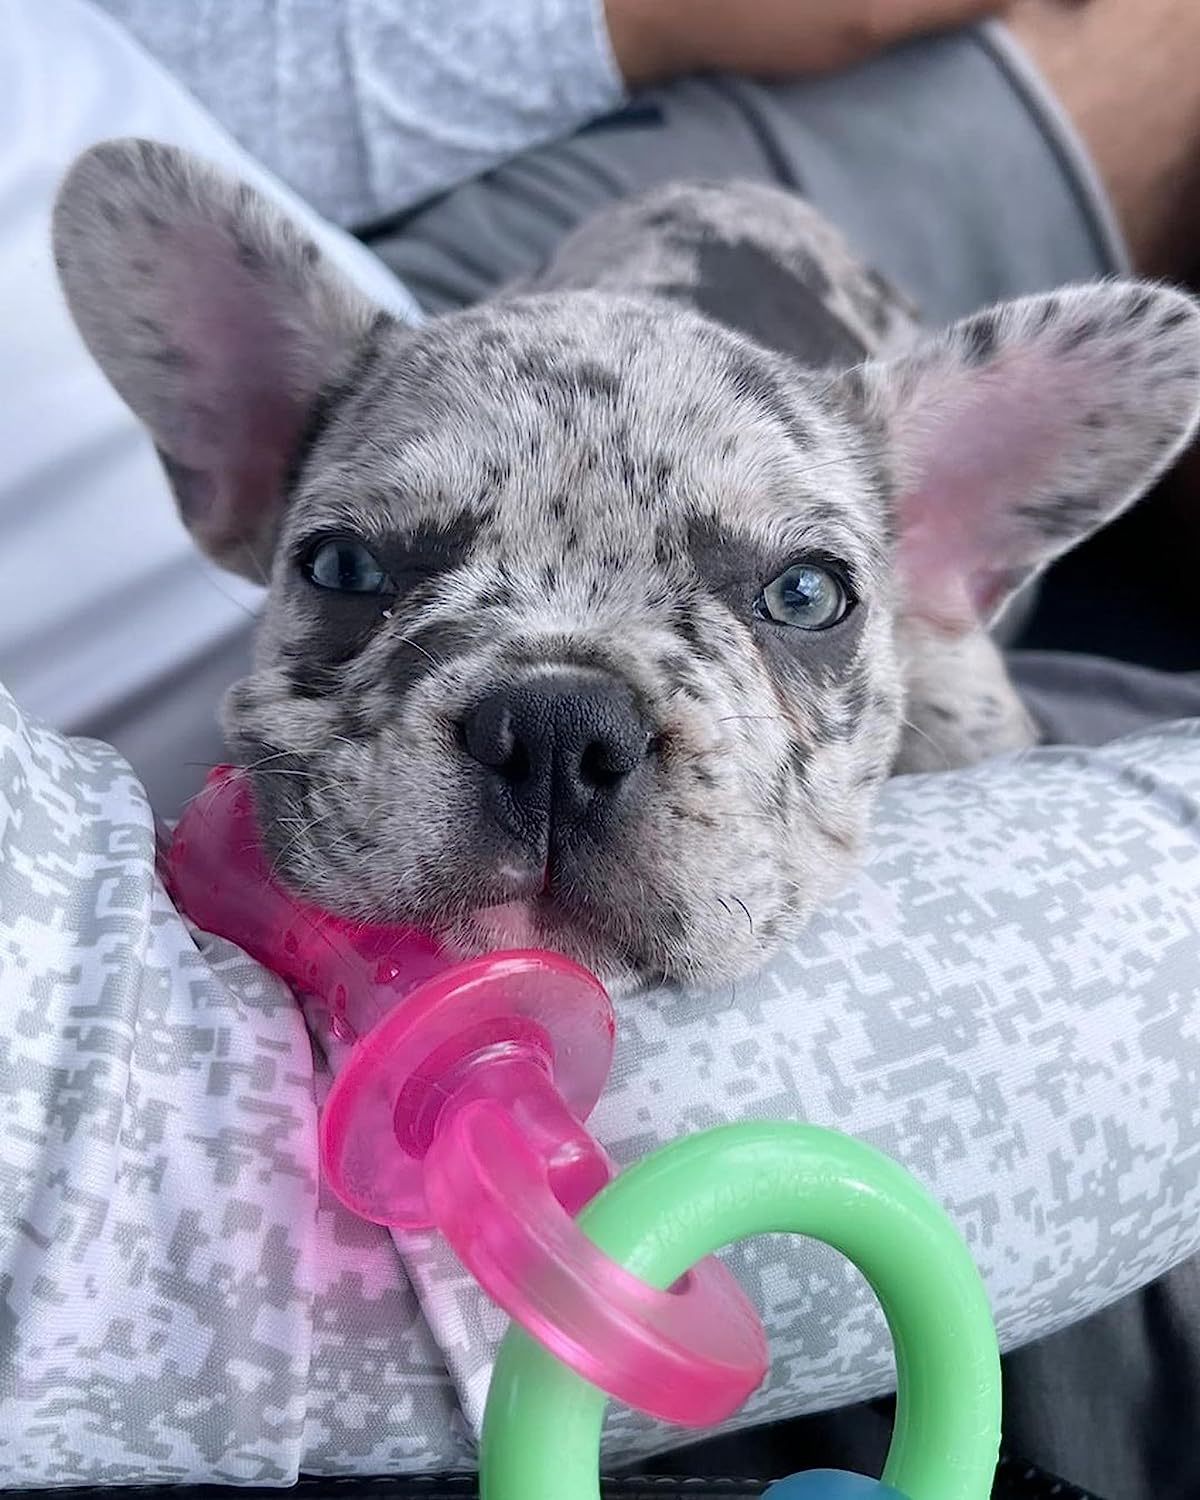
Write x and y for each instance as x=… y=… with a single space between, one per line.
x=598 y=613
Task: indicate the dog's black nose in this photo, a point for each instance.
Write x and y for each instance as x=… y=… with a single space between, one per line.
x=559 y=746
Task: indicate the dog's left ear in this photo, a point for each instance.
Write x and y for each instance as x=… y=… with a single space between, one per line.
x=1019 y=431
x=216 y=319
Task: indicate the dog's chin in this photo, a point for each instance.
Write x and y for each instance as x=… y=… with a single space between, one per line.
x=511 y=924
x=537 y=924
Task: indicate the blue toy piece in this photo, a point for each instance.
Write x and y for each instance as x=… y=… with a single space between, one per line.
x=831 y=1484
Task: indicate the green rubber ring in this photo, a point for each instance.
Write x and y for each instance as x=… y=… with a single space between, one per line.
x=541 y=1431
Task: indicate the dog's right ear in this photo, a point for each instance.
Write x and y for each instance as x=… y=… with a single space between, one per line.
x=216 y=320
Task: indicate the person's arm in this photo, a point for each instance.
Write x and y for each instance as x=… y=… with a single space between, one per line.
x=1003 y=999
x=658 y=39
x=365 y=109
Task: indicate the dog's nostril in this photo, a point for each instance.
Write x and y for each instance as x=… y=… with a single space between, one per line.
x=516 y=767
x=486 y=734
x=596 y=766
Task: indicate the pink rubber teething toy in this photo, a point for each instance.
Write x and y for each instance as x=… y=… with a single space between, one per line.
x=463 y=1108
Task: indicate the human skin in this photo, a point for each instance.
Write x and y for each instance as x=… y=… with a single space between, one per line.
x=658 y=39
x=1126 y=75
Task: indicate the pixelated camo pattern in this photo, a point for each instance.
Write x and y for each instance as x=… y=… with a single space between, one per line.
x=178 y=1300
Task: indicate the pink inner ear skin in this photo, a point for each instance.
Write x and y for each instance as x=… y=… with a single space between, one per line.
x=975 y=447
x=239 y=414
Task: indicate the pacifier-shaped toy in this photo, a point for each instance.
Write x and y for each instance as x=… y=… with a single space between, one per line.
x=463 y=1108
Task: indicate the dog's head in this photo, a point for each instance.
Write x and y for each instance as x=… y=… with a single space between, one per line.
x=591 y=624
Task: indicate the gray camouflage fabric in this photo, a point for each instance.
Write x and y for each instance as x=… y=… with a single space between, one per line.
x=178 y=1300
x=1004 y=1000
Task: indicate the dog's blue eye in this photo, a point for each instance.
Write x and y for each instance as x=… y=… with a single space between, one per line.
x=347 y=566
x=808 y=596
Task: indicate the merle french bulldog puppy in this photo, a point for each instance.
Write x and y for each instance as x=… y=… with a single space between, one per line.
x=597 y=614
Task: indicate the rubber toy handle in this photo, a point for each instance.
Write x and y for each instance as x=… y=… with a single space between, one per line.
x=541 y=1432
x=461 y=1107
x=216 y=870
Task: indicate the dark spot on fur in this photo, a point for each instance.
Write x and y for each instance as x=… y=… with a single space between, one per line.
x=730 y=564
x=836 y=836
x=1062 y=517
x=754 y=380
x=549 y=577
x=169 y=357
x=685 y=625
x=978 y=336
x=501 y=594
x=677 y=669
x=494 y=339
x=667 y=218
x=1137 y=306
x=592 y=380
x=435 y=545
x=422 y=652
x=852 y=388
x=742 y=286
x=880 y=301
x=804 y=661
x=859 y=695
x=249 y=255
x=558 y=507
x=1048 y=313
x=557 y=379
x=1082 y=333
x=312 y=680
x=352 y=723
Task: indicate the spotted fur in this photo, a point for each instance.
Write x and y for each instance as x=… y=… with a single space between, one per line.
x=601 y=469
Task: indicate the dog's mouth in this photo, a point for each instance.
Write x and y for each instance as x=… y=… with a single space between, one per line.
x=545 y=921
x=536 y=915
x=512 y=924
